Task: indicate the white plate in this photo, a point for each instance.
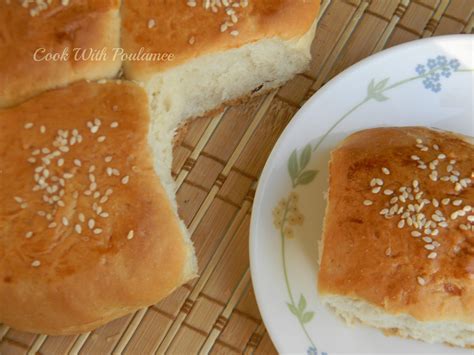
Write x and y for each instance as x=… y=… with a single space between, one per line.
x=387 y=89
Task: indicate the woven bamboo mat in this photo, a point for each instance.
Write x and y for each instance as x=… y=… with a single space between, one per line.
x=217 y=167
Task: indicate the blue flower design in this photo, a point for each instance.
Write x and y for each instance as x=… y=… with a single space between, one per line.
x=313 y=351
x=431 y=63
x=420 y=69
x=441 y=60
x=454 y=63
x=435 y=69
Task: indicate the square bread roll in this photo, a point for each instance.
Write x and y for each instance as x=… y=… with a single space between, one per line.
x=28 y=27
x=398 y=243
x=88 y=233
x=222 y=51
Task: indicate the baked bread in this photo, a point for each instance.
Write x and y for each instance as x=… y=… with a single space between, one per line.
x=30 y=30
x=398 y=235
x=87 y=231
x=219 y=53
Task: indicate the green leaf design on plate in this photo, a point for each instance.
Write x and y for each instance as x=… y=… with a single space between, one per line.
x=307 y=177
x=293 y=310
x=307 y=317
x=293 y=169
x=302 y=304
x=305 y=156
x=374 y=91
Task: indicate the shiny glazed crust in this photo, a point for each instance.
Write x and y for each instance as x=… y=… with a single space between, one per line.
x=370 y=257
x=56 y=277
x=83 y=24
x=190 y=32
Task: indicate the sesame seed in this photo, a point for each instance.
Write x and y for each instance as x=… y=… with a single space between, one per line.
x=464 y=227
x=28 y=125
x=68 y=175
x=415 y=157
x=28 y=235
x=415 y=183
x=401 y=224
x=77 y=162
x=454 y=215
x=384 y=211
x=415 y=234
x=42 y=129
x=52 y=225
x=376 y=190
x=435 y=203
x=82 y=218
x=114 y=124
x=457 y=202
x=421 y=281
x=393 y=200
x=91 y=223
x=388 y=192
x=427 y=239
x=443 y=224
x=101 y=139
x=458 y=187
x=36 y=263
x=65 y=221
x=97 y=231
x=435 y=147
x=429 y=247
x=151 y=23
x=419 y=141
x=445 y=201
x=78 y=228
x=125 y=180
x=130 y=235
x=61 y=162
x=379 y=182
x=432 y=255
x=94 y=129
x=108 y=159
x=441 y=156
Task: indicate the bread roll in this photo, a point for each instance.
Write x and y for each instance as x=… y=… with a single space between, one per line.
x=220 y=53
x=32 y=31
x=87 y=231
x=398 y=237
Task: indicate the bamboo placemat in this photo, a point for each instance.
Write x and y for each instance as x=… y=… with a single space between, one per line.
x=217 y=166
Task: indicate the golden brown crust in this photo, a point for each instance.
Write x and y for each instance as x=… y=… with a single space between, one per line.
x=86 y=279
x=367 y=256
x=81 y=24
x=176 y=25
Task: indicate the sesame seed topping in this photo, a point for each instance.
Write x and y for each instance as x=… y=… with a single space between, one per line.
x=78 y=228
x=91 y=223
x=376 y=190
x=114 y=124
x=457 y=202
x=28 y=125
x=97 y=231
x=36 y=263
x=421 y=281
x=130 y=235
x=28 y=235
x=415 y=157
x=401 y=223
x=435 y=147
x=108 y=159
x=125 y=180
x=388 y=192
x=151 y=23
x=101 y=139
x=441 y=156
x=415 y=234
x=65 y=221
x=432 y=255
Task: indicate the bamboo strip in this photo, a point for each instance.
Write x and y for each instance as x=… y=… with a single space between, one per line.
x=469 y=28
x=224 y=316
x=199 y=147
x=34 y=348
x=434 y=20
x=401 y=9
x=341 y=43
x=255 y=340
x=79 y=343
